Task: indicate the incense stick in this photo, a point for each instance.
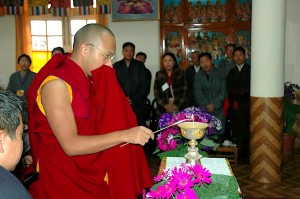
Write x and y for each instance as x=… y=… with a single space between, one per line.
x=178 y=122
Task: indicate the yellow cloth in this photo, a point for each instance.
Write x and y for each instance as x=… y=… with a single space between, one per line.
x=39 y=97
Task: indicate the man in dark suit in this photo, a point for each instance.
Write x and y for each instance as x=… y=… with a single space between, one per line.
x=132 y=77
x=190 y=74
x=141 y=56
x=238 y=87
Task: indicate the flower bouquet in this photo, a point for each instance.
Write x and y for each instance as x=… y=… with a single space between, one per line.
x=180 y=182
x=192 y=182
x=170 y=142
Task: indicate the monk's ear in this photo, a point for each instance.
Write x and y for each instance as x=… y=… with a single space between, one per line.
x=84 y=50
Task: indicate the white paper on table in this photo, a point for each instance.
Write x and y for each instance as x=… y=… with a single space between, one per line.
x=214 y=165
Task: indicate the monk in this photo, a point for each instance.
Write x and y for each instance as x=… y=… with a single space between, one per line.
x=70 y=138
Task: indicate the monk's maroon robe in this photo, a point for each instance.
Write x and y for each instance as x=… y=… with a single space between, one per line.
x=62 y=176
x=127 y=167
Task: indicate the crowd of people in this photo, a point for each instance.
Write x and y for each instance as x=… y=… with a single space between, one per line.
x=86 y=115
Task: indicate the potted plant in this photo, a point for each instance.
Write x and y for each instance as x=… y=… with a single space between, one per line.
x=291 y=109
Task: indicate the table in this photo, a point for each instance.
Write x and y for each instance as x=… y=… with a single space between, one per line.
x=231 y=153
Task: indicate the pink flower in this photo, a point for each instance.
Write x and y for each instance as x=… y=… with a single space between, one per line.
x=163 y=191
x=165 y=141
x=187 y=193
x=172 y=143
x=180 y=182
x=201 y=174
x=182 y=178
x=160 y=177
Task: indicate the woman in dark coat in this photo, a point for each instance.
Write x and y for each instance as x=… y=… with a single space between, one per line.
x=170 y=87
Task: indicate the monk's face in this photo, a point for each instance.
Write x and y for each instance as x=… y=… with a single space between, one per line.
x=102 y=53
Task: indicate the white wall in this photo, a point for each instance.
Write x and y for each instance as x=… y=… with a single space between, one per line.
x=145 y=36
x=7 y=49
x=292 y=43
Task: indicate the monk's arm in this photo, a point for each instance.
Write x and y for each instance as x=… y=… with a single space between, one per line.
x=57 y=106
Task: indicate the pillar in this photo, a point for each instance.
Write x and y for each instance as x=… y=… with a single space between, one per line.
x=267 y=90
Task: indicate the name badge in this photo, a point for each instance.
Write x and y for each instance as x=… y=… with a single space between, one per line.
x=165 y=86
x=20 y=93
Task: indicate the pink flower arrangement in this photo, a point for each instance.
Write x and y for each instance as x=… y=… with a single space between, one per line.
x=180 y=182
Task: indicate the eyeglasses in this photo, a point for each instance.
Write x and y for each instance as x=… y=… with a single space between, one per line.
x=107 y=57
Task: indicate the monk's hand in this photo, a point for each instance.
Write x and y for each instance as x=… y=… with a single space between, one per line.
x=137 y=135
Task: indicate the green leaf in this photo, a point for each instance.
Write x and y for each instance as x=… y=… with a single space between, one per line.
x=178 y=152
x=207 y=142
x=222 y=186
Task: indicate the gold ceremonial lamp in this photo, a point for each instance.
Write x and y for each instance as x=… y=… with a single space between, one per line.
x=193 y=131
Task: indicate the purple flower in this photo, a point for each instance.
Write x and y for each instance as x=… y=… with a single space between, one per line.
x=165 y=120
x=207 y=148
x=170 y=138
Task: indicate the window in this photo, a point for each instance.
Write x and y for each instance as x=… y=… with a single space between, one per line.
x=48 y=32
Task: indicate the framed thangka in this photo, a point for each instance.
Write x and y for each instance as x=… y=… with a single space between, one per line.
x=135 y=10
x=243 y=39
x=243 y=10
x=173 y=43
x=172 y=12
x=212 y=42
x=207 y=11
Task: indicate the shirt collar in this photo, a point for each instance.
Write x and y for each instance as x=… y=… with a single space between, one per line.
x=197 y=68
x=240 y=66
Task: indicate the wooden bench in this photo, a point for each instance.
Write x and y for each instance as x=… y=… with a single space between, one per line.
x=231 y=153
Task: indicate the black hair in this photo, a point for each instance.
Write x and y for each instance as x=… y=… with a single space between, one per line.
x=128 y=44
x=24 y=55
x=205 y=55
x=173 y=57
x=10 y=108
x=239 y=48
x=230 y=45
x=141 y=53
x=59 y=49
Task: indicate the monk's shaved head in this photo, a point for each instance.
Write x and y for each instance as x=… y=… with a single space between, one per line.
x=91 y=33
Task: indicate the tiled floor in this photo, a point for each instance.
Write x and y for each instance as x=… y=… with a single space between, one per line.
x=288 y=188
